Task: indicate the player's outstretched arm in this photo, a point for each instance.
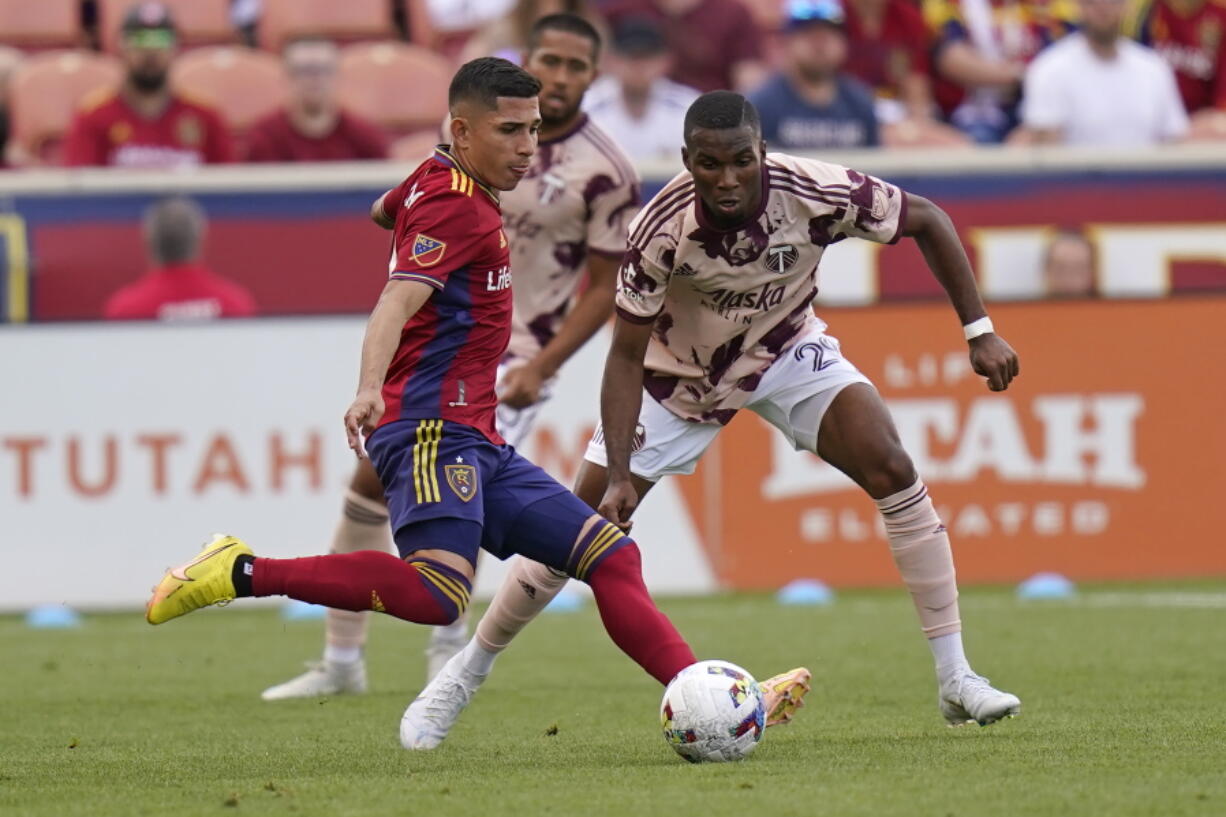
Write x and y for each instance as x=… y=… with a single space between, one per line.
x=522 y=385
x=379 y=216
x=399 y=302
x=621 y=397
x=933 y=231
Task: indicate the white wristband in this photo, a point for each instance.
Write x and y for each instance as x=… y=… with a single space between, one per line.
x=974 y=329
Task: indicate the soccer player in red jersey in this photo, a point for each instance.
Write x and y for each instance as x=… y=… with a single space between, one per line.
x=179 y=287
x=145 y=124
x=424 y=412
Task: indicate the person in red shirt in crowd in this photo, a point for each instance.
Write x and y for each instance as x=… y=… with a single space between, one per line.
x=313 y=127
x=889 y=46
x=179 y=286
x=144 y=124
x=715 y=44
x=1191 y=36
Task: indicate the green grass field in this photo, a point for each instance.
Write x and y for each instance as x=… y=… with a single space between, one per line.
x=1122 y=696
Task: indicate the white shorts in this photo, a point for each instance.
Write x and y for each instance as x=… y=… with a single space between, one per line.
x=793 y=397
x=516 y=424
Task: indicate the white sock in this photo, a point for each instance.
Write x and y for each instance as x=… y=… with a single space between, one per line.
x=949 y=656
x=477 y=659
x=342 y=655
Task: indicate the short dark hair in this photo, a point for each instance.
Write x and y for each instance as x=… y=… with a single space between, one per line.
x=174 y=227
x=720 y=110
x=485 y=79
x=571 y=24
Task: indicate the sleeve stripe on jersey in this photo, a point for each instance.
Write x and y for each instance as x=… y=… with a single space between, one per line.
x=833 y=199
x=611 y=152
x=660 y=210
x=783 y=174
x=630 y=317
x=417 y=276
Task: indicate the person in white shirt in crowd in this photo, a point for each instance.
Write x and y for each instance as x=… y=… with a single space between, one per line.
x=634 y=102
x=1098 y=88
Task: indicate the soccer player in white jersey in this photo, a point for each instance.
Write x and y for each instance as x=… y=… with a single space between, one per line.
x=714 y=315
x=570 y=213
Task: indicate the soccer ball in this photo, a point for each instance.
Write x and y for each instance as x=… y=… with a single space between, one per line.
x=713 y=711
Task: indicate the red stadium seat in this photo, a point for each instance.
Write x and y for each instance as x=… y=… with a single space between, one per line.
x=341 y=20
x=241 y=84
x=40 y=23
x=200 y=22
x=401 y=87
x=45 y=93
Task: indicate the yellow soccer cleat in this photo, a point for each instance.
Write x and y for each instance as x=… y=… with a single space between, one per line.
x=203 y=581
x=784 y=694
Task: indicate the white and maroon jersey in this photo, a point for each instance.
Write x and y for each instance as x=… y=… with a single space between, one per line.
x=727 y=303
x=577 y=199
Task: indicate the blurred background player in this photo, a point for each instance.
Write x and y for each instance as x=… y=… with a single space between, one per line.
x=313 y=127
x=714 y=314
x=1068 y=266
x=811 y=104
x=443 y=320
x=1191 y=36
x=1098 y=88
x=179 y=286
x=634 y=101
x=570 y=213
x=146 y=124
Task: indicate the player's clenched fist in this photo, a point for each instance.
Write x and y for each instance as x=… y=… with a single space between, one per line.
x=362 y=417
x=618 y=504
x=994 y=359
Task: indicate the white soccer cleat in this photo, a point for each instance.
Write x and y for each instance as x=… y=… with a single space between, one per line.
x=444 y=643
x=321 y=678
x=436 y=709
x=970 y=698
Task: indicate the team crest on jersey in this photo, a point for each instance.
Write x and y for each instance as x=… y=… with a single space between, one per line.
x=427 y=251
x=462 y=479
x=781 y=257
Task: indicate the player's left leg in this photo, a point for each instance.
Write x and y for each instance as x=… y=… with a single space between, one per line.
x=857 y=435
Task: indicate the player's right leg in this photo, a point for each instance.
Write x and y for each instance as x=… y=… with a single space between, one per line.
x=363 y=526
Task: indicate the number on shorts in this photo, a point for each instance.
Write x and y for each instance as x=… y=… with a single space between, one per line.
x=825 y=353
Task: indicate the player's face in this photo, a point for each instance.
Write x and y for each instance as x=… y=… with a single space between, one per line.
x=817 y=50
x=497 y=145
x=564 y=64
x=727 y=168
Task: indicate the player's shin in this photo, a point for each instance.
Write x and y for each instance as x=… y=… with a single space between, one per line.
x=631 y=618
x=920 y=547
x=523 y=594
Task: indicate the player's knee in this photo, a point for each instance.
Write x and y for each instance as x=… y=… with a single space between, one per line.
x=890 y=472
x=624 y=562
x=449 y=587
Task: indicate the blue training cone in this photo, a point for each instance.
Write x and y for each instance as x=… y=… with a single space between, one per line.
x=1046 y=586
x=303 y=611
x=53 y=617
x=806 y=592
x=568 y=601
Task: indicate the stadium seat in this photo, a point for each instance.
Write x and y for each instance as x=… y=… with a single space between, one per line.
x=200 y=22
x=242 y=84
x=40 y=23
x=45 y=93
x=341 y=20
x=414 y=148
x=401 y=87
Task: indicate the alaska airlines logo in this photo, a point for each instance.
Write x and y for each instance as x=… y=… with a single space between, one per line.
x=497 y=280
x=765 y=298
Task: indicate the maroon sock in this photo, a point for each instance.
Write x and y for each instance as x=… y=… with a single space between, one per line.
x=632 y=619
x=362 y=580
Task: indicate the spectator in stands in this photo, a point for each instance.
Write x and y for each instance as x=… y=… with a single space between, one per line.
x=810 y=104
x=715 y=43
x=179 y=286
x=508 y=36
x=1098 y=88
x=1068 y=266
x=10 y=58
x=982 y=49
x=312 y=127
x=888 y=50
x=145 y=124
x=1191 y=36
x=634 y=102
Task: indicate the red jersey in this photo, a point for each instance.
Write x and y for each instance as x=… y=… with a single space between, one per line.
x=449 y=235
x=110 y=132
x=180 y=292
x=882 y=60
x=1189 y=36
x=275 y=139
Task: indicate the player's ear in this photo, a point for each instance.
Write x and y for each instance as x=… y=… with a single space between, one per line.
x=685 y=158
x=460 y=131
